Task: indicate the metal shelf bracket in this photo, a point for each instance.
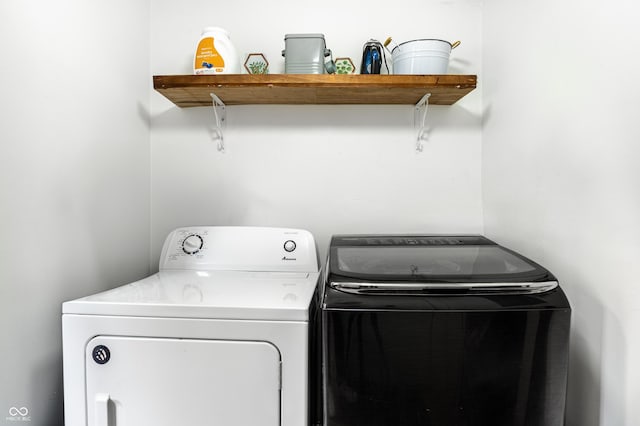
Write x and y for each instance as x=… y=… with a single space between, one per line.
x=419 y=121
x=220 y=120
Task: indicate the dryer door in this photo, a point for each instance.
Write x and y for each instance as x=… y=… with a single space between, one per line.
x=167 y=382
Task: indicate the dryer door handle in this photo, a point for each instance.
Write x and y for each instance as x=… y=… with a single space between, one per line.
x=101 y=409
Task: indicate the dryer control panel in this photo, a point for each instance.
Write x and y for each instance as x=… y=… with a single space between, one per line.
x=240 y=248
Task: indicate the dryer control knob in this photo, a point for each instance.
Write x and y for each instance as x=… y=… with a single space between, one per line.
x=192 y=244
x=289 y=245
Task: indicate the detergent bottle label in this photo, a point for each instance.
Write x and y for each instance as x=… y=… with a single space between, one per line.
x=207 y=57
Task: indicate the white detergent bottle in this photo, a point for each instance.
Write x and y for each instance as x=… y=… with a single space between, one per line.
x=215 y=54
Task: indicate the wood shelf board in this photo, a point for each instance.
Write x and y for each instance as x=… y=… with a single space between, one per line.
x=246 y=89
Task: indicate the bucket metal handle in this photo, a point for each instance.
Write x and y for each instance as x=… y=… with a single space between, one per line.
x=389 y=40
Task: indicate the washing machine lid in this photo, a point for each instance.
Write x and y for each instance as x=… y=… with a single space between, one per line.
x=277 y=296
x=431 y=264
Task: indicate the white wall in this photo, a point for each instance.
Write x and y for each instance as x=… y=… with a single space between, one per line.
x=560 y=177
x=329 y=169
x=74 y=178
x=557 y=157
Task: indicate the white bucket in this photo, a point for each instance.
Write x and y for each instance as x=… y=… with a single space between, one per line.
x=424 y=56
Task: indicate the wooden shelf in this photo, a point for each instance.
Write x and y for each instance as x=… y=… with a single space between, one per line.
x=253 y=89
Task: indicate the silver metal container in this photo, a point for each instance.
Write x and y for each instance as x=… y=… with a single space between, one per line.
x=304 y=54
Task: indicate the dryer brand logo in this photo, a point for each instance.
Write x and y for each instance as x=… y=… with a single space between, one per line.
x=18 y=414
x=101 y=354
x=289 y=258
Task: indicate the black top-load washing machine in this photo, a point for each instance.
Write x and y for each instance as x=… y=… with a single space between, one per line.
x=440 y=331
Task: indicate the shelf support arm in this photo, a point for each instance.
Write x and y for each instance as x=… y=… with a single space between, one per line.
x=419 y=121
x=220 y=119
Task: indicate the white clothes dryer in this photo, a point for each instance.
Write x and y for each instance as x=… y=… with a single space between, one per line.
x=219 y=336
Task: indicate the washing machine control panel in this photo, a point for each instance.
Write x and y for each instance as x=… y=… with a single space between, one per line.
x=240 y=249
